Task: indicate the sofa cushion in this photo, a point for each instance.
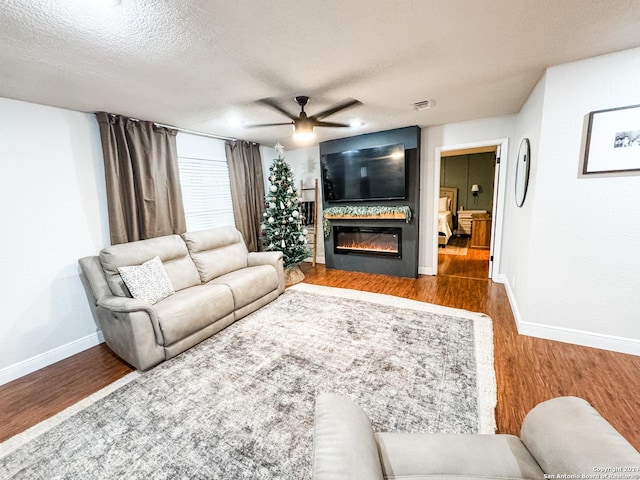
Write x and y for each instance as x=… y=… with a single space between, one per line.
x=249 y=284
x=172 y=251
x=148 y=282
x=422 y=456
x=216 y=251
x=192 y=309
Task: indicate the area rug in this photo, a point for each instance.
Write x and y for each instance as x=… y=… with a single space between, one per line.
x=240 y=404
x=456 y=246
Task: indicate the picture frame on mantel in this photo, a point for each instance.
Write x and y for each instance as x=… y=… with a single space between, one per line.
x=613 y=141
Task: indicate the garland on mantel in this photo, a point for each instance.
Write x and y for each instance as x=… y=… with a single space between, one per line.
x=363 y=211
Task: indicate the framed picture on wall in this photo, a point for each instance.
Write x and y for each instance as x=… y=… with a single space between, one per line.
x=613 y=141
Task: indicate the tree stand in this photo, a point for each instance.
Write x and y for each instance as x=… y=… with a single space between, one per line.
x=293 y=275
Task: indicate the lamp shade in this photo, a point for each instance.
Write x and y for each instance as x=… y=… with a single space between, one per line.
x=303 y=131
x=475 y=188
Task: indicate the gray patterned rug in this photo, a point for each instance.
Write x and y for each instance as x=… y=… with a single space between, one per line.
x=240 y=404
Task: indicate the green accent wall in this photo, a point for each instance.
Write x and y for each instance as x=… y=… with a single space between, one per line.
x=463 y=171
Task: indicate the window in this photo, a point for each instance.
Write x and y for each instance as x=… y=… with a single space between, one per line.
x=204 y=178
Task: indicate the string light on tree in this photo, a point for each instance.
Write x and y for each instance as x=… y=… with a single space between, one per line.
x=283 y=226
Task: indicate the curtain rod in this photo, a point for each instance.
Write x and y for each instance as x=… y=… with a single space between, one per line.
x=183 y=130
x=193 y=132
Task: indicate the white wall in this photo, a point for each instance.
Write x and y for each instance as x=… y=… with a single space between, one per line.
x=517 y=251
x=53 y=211
x=198 y=146
x=581 y=284
x=453 y=134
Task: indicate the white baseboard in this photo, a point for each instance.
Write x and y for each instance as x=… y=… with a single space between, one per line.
x=425 y=270
x=570 y=335
x=20 y=369
x=499 y=278
x=580 y=337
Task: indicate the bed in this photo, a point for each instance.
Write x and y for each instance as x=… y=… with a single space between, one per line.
x=447 y=205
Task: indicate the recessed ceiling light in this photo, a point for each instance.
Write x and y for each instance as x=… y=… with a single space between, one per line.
x=104 y=3
x=234 y=122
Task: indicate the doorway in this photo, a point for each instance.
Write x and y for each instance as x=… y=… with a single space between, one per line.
x=469 y=175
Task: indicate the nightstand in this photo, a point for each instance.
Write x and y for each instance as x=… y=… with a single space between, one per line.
x=481 y=231
x=465 y=218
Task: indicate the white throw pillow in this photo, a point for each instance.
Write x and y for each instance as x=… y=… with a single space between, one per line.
x=443 y=206
x=148 y=281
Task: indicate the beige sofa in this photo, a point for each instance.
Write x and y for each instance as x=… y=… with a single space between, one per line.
x=215 y=279
x=562 y=438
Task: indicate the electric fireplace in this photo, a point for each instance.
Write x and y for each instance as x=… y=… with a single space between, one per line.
x=372 y=241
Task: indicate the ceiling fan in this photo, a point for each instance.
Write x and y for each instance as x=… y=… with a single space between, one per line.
x=302 y=123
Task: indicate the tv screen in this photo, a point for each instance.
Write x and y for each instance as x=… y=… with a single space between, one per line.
x=376 y=173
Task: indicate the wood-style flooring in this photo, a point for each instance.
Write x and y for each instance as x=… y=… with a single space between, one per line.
x=41 y=394
x=475 y=264
x=528 y=370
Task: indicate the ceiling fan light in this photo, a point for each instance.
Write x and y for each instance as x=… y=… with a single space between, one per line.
x=303 y=136
x=303 y=131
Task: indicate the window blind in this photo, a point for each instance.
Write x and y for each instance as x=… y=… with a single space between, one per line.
x=206 y=192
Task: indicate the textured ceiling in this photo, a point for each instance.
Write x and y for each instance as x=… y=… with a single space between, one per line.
x=197 y=64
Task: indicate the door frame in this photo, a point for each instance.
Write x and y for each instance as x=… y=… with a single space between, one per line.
x=499 y=192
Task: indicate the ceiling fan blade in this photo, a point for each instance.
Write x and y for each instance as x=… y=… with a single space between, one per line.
x=267 y=125
x=271 y=103
x=329 y=124
x=336 y=108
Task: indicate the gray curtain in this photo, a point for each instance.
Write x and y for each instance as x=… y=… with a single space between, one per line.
x=247 y=189
x=143 y=185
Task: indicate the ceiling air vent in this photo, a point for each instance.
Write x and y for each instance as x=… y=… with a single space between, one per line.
x=423 y=105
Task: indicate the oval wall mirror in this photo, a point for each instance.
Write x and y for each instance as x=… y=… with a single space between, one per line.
x=522 y=171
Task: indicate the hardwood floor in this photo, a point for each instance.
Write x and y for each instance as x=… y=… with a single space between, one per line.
x=528 y=370
x=475 y=264
x=40 y=395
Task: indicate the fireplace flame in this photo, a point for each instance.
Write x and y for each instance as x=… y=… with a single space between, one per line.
x=369 y=247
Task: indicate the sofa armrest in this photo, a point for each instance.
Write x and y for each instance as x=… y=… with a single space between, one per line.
x=130 y=305
x=264 y=258
x=94 y=275
x=269 y=258
x=344 y=446
x=568 y=436
x=124 y=304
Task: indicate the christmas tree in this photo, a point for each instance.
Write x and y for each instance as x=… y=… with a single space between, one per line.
x=283 y=222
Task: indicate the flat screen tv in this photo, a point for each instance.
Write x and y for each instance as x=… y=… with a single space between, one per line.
x=376 y=173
